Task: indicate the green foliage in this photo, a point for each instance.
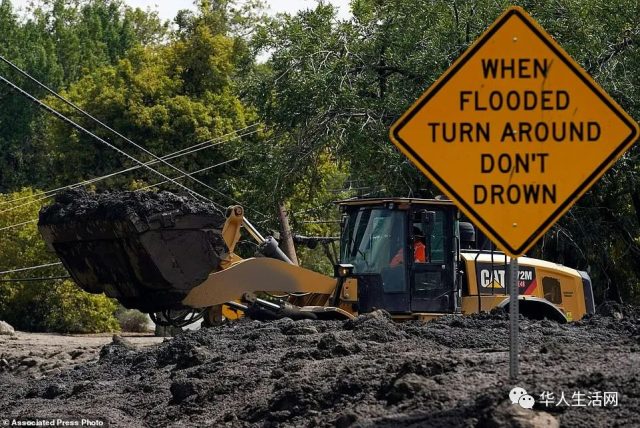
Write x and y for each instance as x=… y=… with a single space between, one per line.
x=58 y=43
x=164 y=98
x=48 y=305
x=326 y=96
x=72 y=310
x=132 y=320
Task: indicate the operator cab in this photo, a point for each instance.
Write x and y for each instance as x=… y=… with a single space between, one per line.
x=403 y=253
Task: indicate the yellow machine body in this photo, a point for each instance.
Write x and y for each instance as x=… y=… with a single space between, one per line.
x=455 y=278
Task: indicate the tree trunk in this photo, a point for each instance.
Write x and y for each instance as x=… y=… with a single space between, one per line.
x=286 y=237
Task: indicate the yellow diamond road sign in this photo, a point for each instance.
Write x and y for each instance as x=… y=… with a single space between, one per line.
x=514 y=132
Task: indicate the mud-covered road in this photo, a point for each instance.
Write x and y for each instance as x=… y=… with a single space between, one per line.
x=365 y=372
x=37 y=355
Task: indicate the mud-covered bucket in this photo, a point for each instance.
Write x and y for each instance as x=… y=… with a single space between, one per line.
x=145 y=249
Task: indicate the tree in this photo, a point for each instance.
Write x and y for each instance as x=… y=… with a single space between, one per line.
x=335 y=87
x=59 y=43
x=165 y=98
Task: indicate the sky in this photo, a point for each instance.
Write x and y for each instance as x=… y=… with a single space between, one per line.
x=167 y=9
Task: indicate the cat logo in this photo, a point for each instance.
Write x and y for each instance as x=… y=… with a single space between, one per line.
x=492 y=280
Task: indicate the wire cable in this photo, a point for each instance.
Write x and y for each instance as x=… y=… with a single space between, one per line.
x=30 y=268
x=48 y=278
x=194 y=172
x=182 y=152
x=74 y=106
x=24 y=223
x=75 y=125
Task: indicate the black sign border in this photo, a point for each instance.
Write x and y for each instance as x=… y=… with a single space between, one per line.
x=574 y=196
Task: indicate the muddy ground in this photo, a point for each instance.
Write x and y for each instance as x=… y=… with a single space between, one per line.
x=38 y=355
x=365 y=372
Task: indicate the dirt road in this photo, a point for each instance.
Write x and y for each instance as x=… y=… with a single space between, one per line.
x=36 y=355
x=365 y=372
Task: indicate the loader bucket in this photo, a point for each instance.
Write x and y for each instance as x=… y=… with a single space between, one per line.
x=145 y=250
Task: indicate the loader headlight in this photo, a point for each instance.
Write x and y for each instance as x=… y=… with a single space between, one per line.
x=342 y=270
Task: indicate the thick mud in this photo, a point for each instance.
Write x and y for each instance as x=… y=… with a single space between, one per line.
x=365 y=372
x=79 y=204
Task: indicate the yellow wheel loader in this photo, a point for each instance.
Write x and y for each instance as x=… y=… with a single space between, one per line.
x=414 y=258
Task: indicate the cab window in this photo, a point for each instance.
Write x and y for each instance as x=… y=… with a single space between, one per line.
x=435 y=241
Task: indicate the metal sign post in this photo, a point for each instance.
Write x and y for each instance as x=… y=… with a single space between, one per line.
x=513 y=319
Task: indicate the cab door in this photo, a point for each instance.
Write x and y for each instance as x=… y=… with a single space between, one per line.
x=432 y=288
x=374 y=241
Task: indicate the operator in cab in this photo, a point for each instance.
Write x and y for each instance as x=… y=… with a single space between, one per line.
x=419 y=250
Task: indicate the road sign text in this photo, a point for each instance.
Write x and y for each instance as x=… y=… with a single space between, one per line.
x=514 y=132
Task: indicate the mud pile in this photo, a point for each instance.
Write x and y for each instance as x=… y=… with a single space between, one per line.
x=81 y=205
x=364 y=372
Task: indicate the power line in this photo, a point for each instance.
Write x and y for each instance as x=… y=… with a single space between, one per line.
x=104 y=177
x=24 y=223
x=74 y=106
x=194 y=172
x=182 y=152
x=48 y=278
x=30 y=268
x=75 y=125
